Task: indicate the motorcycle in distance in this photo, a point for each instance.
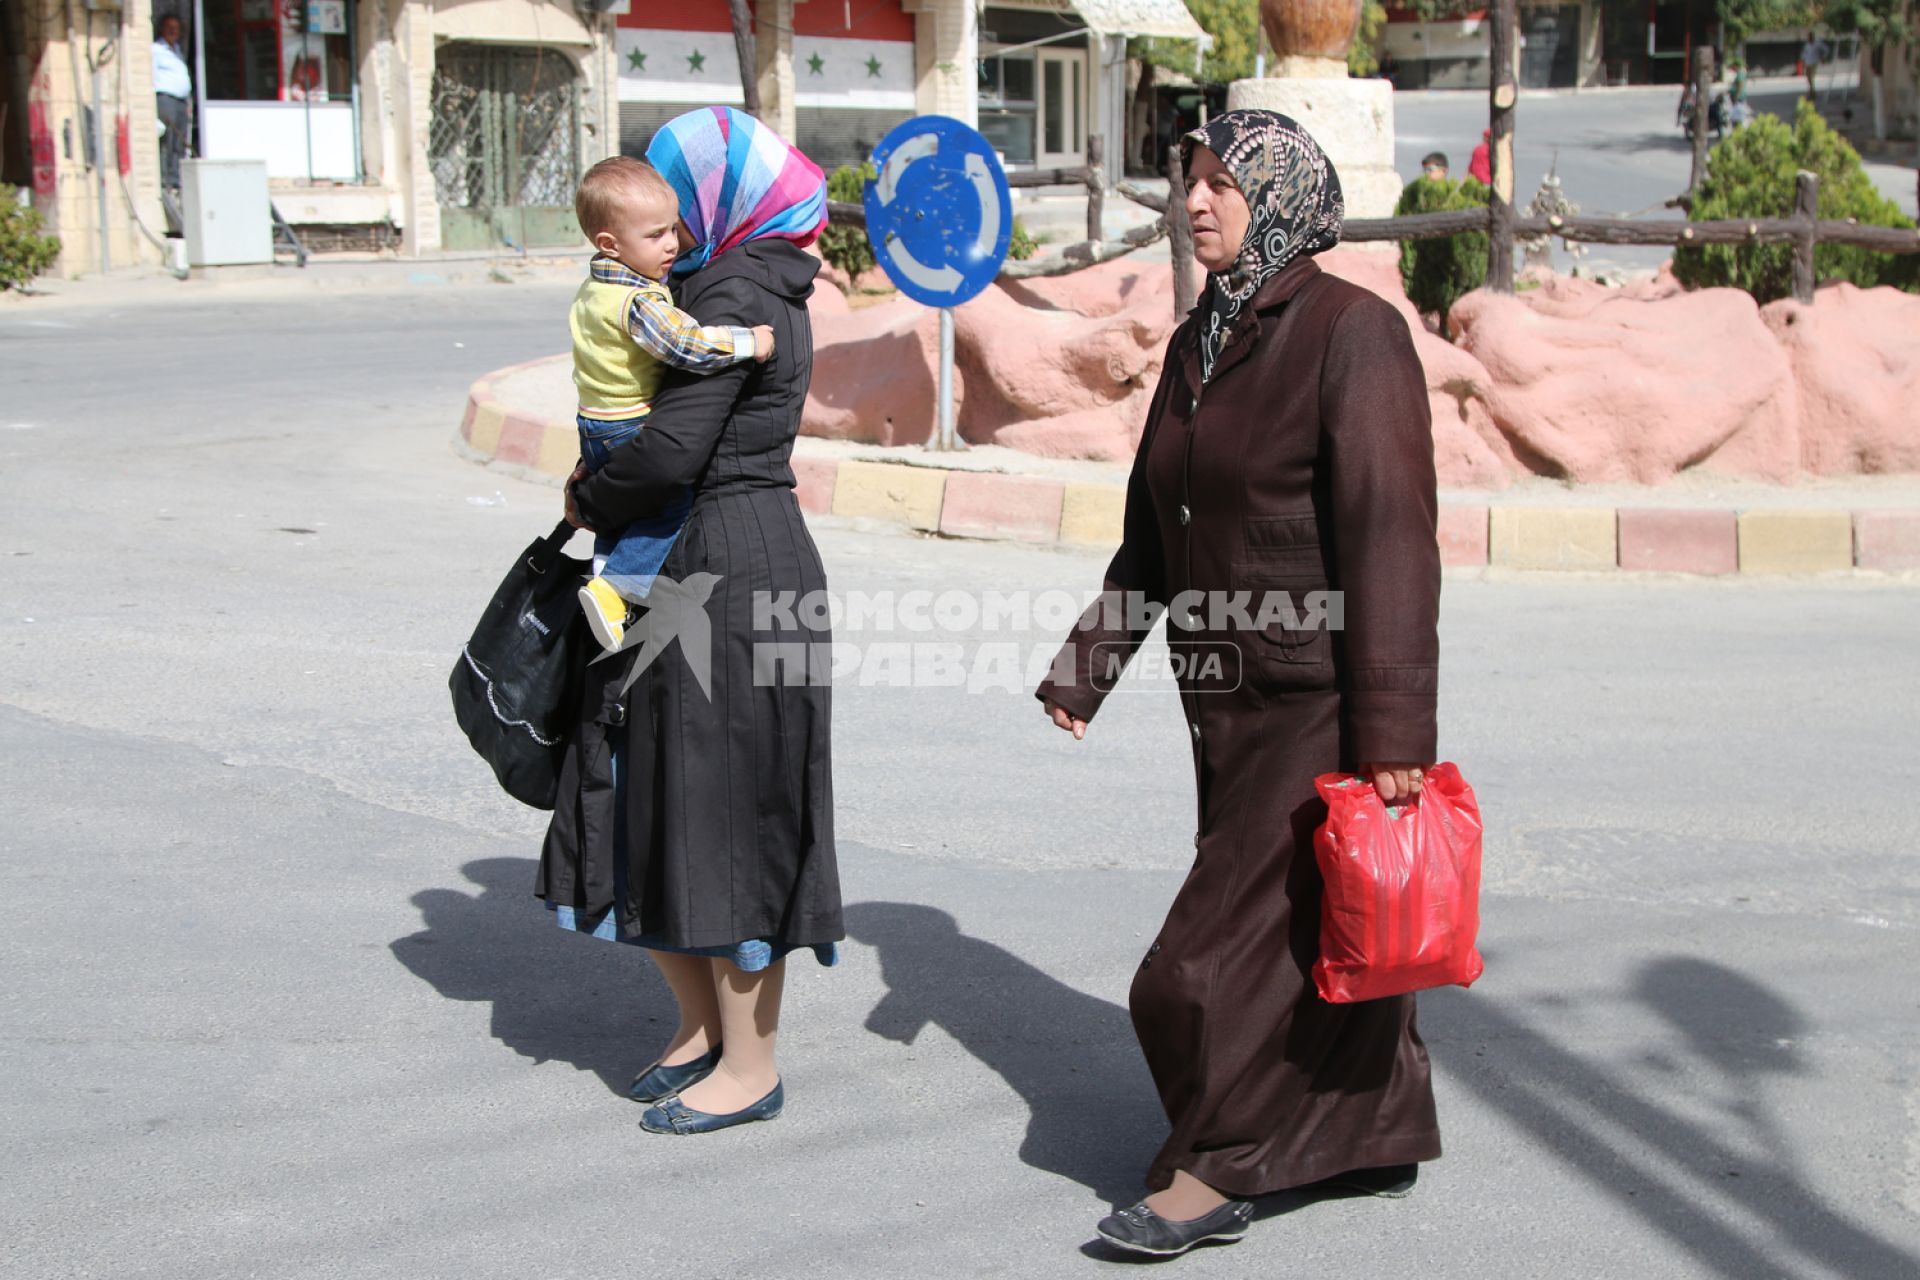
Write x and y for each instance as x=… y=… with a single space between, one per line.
x=1719 y=113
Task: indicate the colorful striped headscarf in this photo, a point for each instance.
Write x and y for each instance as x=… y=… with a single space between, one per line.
x=737 y=181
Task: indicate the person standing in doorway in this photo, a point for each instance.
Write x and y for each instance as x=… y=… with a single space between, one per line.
x=173 y=95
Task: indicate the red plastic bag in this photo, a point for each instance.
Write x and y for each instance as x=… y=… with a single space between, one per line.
x=1402 y=903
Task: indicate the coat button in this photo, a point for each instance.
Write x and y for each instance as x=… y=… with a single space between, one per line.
x=1196 y=730
x=1193 y=620
x=1186 y=514
x=617 y=714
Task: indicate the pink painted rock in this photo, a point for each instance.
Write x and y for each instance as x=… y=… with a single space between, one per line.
x=1056 y=373
x=827 y=301
x=873 y=375
x=1468 y=450
x=1855 y=355
x=1627 y=390
x=1104 y=290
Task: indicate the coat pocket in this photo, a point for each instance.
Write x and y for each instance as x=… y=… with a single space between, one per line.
x=1288 y=644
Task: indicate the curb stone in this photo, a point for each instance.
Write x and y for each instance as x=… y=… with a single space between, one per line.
x=996 y=505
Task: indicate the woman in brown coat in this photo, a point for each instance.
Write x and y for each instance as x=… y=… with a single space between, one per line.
x=1286 y=468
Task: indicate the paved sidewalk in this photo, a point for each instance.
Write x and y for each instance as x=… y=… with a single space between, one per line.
x=519 y=420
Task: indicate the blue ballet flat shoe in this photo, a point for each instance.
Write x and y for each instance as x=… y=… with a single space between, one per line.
x=675 y=1116
x=658 y=1082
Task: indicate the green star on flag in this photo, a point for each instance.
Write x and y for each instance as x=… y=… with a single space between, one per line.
x=815 y=63
x=696 y=62
x=873 y=67
x=637 y=60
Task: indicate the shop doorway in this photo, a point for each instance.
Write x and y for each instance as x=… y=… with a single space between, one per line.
x=505 y=146
x=1063 y=108
x=1550 y=59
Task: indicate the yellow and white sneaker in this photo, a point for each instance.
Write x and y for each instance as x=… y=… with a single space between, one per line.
x=606 y=612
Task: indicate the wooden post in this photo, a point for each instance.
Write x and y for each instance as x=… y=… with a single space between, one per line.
x=1806 y=205
x=749 y=64
x=1179 y=238
x=1702 y=115
x=1096 y=185
x=1501 y=95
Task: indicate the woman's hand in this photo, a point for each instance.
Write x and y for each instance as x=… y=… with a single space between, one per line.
x=1065 y=719
x=1395 y=781
x=572 y=511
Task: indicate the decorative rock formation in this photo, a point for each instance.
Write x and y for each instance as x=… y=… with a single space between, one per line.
x=1855 y=355
x=1570 y=379
x=1618 y=389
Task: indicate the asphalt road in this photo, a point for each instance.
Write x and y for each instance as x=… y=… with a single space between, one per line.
x=1618 y=152
x=278 y=1001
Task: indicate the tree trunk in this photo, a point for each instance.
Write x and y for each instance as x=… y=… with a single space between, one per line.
x=1180 y=239
x=1502 y=93
x=1143 y=112
x=1702 y=117
x=743 y=46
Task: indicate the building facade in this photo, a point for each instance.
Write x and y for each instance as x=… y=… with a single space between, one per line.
x=446 y=125
x=1560 y=48
x=1037 y=77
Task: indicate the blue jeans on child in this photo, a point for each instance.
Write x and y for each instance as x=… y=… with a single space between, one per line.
x=635 y=554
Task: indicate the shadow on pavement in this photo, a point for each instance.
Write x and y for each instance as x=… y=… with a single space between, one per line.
x=1701 y=1179
x=1093 y=1115
x=555 y=996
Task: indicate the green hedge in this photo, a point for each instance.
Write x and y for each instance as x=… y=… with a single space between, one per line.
x=1437 y=272
x=24 y=252
x=1751 y=175
x=843 y=246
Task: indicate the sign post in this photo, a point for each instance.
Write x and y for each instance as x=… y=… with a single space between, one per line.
x=940 y=218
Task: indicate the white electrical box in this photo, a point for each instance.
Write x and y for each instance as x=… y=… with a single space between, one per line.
x=228 y=215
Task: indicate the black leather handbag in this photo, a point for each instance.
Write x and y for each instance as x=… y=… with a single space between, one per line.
x=516 y=688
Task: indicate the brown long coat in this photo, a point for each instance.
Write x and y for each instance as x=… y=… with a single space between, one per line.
x=1306 y=464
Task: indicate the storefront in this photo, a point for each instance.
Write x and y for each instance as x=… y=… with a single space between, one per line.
x=276 y=81
x=1035 y=73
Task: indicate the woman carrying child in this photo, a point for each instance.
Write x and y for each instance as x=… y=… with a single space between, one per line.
x=695 y=815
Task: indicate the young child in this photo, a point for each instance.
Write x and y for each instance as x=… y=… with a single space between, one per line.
x=626 y=334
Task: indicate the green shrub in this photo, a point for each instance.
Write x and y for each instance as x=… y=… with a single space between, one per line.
x=1021 y=245
x=24 y=252
x=1437 y=272
x=1363 y=56
x=1751 y=175
x=843 y=246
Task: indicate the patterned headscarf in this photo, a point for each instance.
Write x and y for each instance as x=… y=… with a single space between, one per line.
x=1293 y=195
x=737 y=180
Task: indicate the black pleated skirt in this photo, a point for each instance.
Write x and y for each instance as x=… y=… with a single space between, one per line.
x=728 y=786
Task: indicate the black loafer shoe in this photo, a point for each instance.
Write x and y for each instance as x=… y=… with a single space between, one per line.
x=1390 y=1182
x=675 y=1116
x=1141 y=1230
x=658 y=1082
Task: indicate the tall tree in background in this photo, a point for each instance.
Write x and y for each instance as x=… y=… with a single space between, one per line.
x=1879 y=24
x=1235 y=28
x=743 y=45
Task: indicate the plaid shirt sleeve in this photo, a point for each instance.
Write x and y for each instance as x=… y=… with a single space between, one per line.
x=678 y=340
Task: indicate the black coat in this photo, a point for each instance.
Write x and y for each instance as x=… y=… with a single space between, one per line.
x=1306 y=465
x=729 y=813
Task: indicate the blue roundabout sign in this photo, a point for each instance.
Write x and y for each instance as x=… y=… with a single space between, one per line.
x=938 y=212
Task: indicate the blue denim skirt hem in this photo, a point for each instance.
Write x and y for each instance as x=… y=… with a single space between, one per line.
x=749 y=956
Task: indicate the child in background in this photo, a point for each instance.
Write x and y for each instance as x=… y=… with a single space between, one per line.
x=626 y=334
